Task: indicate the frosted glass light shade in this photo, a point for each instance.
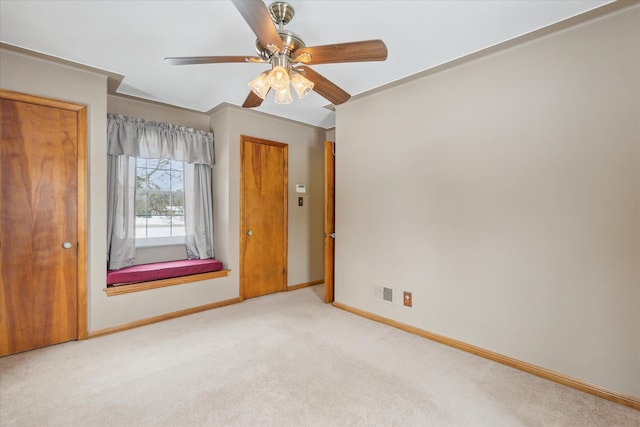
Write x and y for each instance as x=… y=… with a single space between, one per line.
x=301 y=85
x=260 y=85
x=279 y=78
x=283 y=96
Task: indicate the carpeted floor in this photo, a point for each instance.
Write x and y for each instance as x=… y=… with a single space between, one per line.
x=282 y=360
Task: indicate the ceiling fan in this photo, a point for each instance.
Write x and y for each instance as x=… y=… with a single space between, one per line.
x=288 y=56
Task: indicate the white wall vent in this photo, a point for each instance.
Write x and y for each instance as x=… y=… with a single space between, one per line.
x=382 y=293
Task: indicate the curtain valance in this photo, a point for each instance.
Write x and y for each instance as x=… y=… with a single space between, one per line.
x=154 y=140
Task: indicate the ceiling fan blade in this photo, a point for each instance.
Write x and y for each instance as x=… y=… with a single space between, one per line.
x=188 y=60
x=369 y=50
x=325 y=87
x=252 y=100
x=257 y=16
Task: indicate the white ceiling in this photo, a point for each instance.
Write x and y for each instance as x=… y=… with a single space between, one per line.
x=131 y=38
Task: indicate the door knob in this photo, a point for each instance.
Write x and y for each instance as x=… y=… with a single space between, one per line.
x=67 y=245
x=250 y=233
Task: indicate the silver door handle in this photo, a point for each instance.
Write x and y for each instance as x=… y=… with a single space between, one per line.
x=250 y=233
x=67 y=245
x=332 y=235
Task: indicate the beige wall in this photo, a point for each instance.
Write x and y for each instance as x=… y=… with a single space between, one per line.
x=505 y=194
x=41 y=77
x=141 y=109
x=305 y=147
x=331 y=134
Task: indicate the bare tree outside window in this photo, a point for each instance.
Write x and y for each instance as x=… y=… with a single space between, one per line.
x=159 y=198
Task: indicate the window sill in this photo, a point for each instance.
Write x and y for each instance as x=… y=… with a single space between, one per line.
x=154 y=284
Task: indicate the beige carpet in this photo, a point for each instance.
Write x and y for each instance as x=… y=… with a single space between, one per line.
x=281 y=360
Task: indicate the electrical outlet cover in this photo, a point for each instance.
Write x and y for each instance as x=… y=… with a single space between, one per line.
x=407 y=299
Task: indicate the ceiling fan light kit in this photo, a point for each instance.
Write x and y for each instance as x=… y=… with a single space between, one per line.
x=301 y=85
x=283 y=50
x=283 y=96
x=279 y=79
x=260 y=85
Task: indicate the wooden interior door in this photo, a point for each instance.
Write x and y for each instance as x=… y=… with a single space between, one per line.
x=329 y=219
x=263 y=223
x=41 y=224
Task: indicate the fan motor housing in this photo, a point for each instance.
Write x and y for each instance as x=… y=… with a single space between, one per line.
x=290 y=40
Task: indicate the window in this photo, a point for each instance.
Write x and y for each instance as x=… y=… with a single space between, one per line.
x=160 y=202
x=159 y=189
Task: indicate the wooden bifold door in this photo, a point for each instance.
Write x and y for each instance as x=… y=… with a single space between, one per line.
x=42 y=217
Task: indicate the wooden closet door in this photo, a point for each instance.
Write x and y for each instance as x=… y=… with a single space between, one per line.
x=38 y=225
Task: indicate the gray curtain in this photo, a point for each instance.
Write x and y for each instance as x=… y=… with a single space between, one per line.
x=121 y=176
x=130 y=138
x=198 y=211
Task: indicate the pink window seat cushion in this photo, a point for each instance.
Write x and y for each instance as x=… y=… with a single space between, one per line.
x=161 y=270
